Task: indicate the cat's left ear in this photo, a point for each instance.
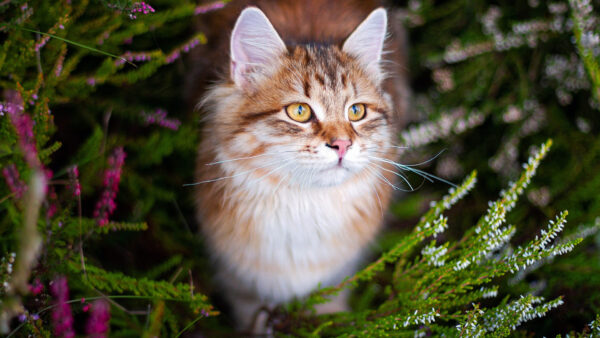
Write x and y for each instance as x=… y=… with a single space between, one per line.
x=255 y=45
x=366 y=42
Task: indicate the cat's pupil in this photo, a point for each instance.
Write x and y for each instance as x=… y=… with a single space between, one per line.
x=300 y=108
x=354 y=110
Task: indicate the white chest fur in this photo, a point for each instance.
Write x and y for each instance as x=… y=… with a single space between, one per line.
x=287 y=241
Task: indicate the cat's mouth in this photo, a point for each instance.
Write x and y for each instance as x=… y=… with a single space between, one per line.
x=338 y=166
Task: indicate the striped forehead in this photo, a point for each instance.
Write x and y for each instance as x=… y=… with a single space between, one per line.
x=325 y=66
x=325 y=77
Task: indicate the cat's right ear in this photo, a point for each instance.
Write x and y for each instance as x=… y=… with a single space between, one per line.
x=255 y=44
x=367 y=40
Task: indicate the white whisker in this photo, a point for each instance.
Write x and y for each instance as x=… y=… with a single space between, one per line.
x=397 y=147
x=425 y=162
x=231 y=176
x=426 y=175
x=379 y=152
x=380 y=176
x=397 y=165
x=246 y=158
x=272 y=171
x=395 y=173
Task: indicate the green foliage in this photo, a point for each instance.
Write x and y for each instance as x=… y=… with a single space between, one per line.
x=437 y=287
x=55 y=56
x=114 y=282
x=491 y=83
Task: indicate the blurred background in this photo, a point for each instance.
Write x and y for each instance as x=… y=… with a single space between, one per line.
x=490 y=81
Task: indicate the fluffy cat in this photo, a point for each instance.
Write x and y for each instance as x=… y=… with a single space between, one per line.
x=292 y=172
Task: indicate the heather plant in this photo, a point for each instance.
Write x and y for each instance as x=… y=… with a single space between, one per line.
x=97 y=234
x=496 y=81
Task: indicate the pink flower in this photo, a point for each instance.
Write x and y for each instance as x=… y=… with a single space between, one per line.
x=140 y=7
x=62 y=318
x=37 y=287
x=209 y=7
x=41 y=43
x=59 y=65
x=23 y=126
x=112 y=176
x=131 y=56
x=159 y=117
x=13 y=180
x=74 y=185
x=52 y=197
x=98 y=324
x=185 y=48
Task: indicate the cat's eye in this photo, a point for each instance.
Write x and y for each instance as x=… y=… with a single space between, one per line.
x=356 y=112
x=299 y=112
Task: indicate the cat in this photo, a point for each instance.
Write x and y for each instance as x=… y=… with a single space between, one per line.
x=293 y=172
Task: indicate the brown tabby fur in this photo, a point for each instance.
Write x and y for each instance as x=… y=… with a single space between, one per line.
x=238 y=122
x=323 y=21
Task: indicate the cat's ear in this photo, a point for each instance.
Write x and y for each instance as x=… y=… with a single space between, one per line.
x=366 y=42
x=255 y=44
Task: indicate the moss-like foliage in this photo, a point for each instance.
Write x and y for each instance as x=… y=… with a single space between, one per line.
x=97 y=142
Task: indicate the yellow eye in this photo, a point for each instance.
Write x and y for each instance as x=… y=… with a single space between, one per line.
x=356 y=112
x=300 y=112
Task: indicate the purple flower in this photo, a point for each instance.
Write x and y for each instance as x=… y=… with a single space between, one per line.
x=98 y=324
x=74 y=185
x=112 y=176
x=59 y=65
x=175 y=54
x=209 y=7
x=140 y=7
x=13 y=180
x=23 y=126
x=104 y=36
x=52 y=197
x=62 y=318
x=159 y=117
x=37 y=287
x=41 y=43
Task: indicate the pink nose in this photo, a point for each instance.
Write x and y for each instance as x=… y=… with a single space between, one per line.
x=341 y=146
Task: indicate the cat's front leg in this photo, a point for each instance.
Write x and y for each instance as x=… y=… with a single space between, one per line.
x=251 y=314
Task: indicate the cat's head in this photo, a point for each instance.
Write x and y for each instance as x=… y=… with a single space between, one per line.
x=309 y=114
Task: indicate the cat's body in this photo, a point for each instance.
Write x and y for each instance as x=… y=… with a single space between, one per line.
x=287 y=205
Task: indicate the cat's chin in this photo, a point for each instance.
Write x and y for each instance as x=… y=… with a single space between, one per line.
x=333 y=176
